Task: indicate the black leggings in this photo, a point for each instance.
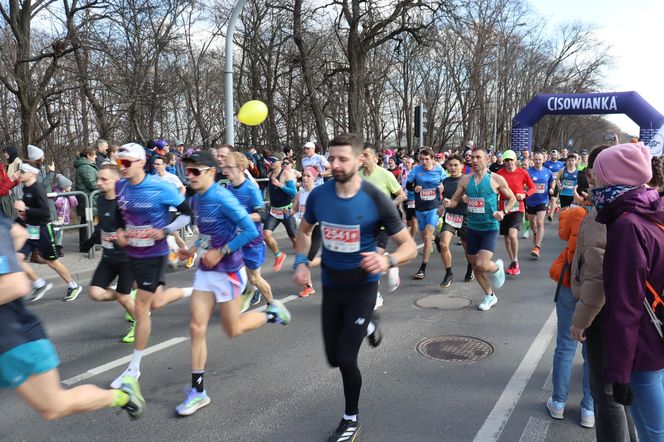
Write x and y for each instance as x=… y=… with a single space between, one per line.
x=347 y=312
x=315 y=243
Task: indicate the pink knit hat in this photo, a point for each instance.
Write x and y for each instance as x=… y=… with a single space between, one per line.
x=623 y=164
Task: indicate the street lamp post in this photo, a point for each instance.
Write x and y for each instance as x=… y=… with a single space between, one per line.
x=228 y=72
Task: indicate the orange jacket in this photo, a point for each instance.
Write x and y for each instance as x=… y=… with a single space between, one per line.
x=569 y=222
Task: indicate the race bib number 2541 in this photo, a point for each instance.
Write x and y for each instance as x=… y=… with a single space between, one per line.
x=341 y=238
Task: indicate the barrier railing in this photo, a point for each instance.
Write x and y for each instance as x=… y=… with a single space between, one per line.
x=88 y=216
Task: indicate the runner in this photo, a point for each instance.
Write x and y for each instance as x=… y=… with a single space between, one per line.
x=554 y=166
x=517 y=180
x=409 y=204
x=309 y=176
x=567 y=179
x=537 y=203
x=144 y=201
x=311 y=158
x=426 y=180
x=281 y=186
x=114 y=261
x=351 y=266
x=454 y=221
x=481 y=188
x=583 y=161
x=225 y=228
x=386 y=183
x=34 y=210
x=28 y=359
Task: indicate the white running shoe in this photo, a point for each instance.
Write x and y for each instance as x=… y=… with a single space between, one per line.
x=526 y=234
x=393 y=280
x=379 y=301
x=488 y=302
x=117 y=383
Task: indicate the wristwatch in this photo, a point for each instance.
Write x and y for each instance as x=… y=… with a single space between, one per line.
x=392 y=260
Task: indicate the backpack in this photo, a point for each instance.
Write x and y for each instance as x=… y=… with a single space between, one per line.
x=259 y=162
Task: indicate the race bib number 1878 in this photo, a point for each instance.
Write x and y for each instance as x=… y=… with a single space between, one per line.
x=341 y=238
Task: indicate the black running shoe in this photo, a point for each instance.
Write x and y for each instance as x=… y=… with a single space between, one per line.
x=347 y=431
x=447 y=281
x=419 y=274
x=376 y=337
x=469 y=276
x=38 y=293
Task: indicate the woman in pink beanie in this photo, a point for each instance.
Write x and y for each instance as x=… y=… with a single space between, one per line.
x=634 y=256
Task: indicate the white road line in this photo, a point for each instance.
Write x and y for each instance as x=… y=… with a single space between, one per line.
x=535 y=430
x=548 y=384
x=495 y=423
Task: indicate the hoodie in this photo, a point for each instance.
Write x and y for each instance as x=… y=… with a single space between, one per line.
x=634 y=253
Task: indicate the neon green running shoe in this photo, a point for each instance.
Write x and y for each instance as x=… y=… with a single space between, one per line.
x=280 y=311
x=129 y=337
x=128 y=317
x=245 y=300
x=136 y=405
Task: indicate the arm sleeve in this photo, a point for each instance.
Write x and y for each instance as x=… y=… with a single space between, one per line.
x=289 y=188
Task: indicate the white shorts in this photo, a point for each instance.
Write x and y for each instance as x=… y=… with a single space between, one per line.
x=225 y=286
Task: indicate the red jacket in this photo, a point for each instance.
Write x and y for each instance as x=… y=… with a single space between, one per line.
x=6 y=183
x=516 y=181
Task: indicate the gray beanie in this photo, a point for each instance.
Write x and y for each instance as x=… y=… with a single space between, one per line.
x=62 y=181
x=34 y=153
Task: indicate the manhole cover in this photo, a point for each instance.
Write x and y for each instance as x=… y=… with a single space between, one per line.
x=443 y=302
x=455 y=349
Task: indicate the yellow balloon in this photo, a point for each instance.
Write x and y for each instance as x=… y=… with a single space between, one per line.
x=252 y=113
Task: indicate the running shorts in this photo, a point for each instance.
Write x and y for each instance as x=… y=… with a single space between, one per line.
x=45 y=244
x=427 y=217
x=512 y=220
x=148 y=272
x=254 y=256
x=538 y=208
x=462 y=231
x=25 y=360
x=566 y=201
x=108 y=270
x=477 y=240
x=225 y=286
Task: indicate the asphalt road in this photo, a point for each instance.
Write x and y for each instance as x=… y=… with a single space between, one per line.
x=274 y=383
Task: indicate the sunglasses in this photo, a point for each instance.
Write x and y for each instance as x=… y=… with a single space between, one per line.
x=286 y=163
x=126 y=163
x=195 y=171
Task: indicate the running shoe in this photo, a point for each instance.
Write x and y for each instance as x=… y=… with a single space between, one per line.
x=129 y=337
x=550 y=218
x=488 y=302
x=38 y=293
x=72 y=293
x=447 y=281
x=470 y=275
x=120 y=380
x=191 y=260
x=393 y=280
x=419 y=274
x=347 y=431
x=535 y=253
x=376 y=337
x=508 y=270
x=173 y=260
x=282 y=314
x=256 y=299
x=187 y=232
x=278 y=262
x=128 y=317
x=136 y=405
x=245 y=301
x=526 y=234
x=516 y=269
x=192 y=403
x=379 y=301
x=497 y=278
x=587 y=418
x=556 y=409
x=308 y=290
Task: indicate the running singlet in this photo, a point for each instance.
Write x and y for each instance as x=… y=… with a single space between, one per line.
x=18 y=325
x=219 y=216
x=349 y=226
x=278 y=198
x=451 y=185
x=109 y=222
x=482 y=202
x=250 y=198
x=569 y=180
x=302 y=203
x=542 y=179
x=554 y=166
x=429 y=197
x=145 y=206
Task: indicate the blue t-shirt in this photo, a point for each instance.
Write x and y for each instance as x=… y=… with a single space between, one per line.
x=428 y=197
x=554 y=166
x=569 y=180
x=145 y=206
x=349 y=226
x=249 y=196
x=221 y=219
x=542 y=179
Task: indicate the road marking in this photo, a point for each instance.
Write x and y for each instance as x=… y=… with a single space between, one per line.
x=495 y=423
x=535 y=430
x=548 y=384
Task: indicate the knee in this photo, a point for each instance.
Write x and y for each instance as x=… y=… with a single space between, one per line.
x=95 y=293
x=444 y=246
x=232 y=331
x=52 y=412
x=197 y=330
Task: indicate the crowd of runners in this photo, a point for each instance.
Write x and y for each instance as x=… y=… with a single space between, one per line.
x=347 y=203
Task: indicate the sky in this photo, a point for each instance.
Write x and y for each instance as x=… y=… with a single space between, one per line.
x=635 y=33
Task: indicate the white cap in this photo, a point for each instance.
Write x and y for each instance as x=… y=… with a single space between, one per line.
x=131 y=150
x=26 y=168
x=34 y=153
x=309 y=144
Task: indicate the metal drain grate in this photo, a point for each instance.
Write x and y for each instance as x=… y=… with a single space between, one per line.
x=455 y=349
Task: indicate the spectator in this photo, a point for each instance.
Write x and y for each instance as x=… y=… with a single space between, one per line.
x=179 y=167
x=657 y=180
x=113 y=154
x=86 y=182
x=13 y=164
x=7 y=184
x=311 y=158
x=150 y=153
x=63 y=208
x=633 y=277
x=102 y=152
x=46 y=175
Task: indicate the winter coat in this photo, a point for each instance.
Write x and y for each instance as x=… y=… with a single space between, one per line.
x=63 y=207
x=586 y=271
x=569 y=221
x=86 y=175
x=6 y=182
x=634 y=253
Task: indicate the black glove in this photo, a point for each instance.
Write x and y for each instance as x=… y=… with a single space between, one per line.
x=622 y=393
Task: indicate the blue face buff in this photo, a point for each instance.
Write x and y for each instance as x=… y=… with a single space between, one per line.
x=603 y=196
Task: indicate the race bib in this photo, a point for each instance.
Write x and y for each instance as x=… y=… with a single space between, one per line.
x=203 y=242
x=341 y=238
x=428 y=194
x=541 y=188
x=515 y=208
x=33 y=232
x=107 y=239
x=137 y=236
x=454 y=220
x=410 y=204
x=279 y=213
x=302 y=208
x=568 y=184
x=475 y=205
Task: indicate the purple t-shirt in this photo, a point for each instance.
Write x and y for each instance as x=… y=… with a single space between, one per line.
x=145 y=206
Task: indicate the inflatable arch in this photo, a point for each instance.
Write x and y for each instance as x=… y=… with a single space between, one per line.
x=628 y=103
